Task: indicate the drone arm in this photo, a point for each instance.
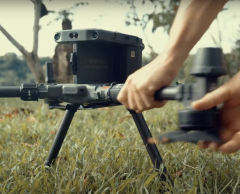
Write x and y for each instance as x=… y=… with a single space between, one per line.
x=167 y=93
x=170 y=93
x=10 y=91
x=85 y=93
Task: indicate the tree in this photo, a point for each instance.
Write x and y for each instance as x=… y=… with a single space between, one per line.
x=160 y=19
x=31 y=58
x=14 y=70
x=162 y=16
x=61 y=57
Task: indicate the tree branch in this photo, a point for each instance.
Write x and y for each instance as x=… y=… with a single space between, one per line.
x=37 y=7
x=13 y=41
x=143 y=30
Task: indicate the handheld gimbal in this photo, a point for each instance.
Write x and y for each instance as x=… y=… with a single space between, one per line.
x=101 y=62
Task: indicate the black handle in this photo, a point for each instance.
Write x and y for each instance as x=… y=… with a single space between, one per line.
x=166 y=93
x=169 y=93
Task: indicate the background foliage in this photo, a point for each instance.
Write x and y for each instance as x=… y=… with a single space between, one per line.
x=14 y=70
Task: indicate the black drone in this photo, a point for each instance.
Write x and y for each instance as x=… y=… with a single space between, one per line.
x=100 y=63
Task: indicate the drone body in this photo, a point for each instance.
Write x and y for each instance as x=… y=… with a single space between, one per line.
x=100 y=63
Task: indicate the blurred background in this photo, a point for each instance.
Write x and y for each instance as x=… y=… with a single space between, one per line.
x=27 y=28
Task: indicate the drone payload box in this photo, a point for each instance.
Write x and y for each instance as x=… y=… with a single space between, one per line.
x=101 y=56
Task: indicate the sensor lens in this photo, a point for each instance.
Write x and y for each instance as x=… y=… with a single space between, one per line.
x=57 y=36
x=95 y=35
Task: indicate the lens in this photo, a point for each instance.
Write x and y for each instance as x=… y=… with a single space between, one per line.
x=57 y=36
x=95 y=35
x=76 y=35
x=71 y=35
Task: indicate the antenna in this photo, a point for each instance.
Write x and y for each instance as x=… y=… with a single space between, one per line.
x=49 y=78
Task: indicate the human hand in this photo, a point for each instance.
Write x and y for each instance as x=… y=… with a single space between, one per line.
x=139 y=89
x=229 y=94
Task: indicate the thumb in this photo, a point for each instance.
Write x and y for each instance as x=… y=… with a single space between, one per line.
x=213 y=99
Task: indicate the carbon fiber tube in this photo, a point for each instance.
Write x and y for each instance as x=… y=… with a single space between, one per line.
x=10 y=91
x=167 y=93
x=57 y=144
x=151 y=148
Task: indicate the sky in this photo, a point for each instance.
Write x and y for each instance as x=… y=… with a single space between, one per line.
x=17 y=16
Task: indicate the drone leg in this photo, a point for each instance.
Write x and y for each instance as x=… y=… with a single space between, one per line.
x=151 y=148
x=60 y=136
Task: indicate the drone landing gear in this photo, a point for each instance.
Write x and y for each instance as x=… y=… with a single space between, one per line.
x=60 y=136
x=140 y=123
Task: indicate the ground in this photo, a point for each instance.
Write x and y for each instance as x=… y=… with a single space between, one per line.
x=103 y=153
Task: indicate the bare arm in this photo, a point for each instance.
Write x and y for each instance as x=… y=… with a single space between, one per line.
x=192 y=20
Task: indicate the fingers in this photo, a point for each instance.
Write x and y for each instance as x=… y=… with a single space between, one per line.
x=138 y=97
x=203 y=145
x=229 y=147
x=232 y=145
x=213 y=99
x=140 y=102
x=228 y=134
x=131 y=104
x=153 y=140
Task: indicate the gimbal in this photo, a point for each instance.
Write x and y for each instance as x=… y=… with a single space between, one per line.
x=101 y=62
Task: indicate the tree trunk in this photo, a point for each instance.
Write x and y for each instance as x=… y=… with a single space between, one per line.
x=61 y=58
x=33 y=63
x=31 y=58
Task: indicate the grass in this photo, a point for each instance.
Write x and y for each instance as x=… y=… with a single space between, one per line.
x=103 y=153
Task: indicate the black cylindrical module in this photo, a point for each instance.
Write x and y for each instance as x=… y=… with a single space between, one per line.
x=190 y=119
x=29 y=92
x=208 y=62
x=113 y=92
x=10 y=91
x=49 y=77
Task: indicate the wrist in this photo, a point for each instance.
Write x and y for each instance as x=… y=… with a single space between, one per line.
x=172 y=57
x=169 y=62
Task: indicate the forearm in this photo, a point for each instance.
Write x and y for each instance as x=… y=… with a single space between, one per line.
x=192 y=20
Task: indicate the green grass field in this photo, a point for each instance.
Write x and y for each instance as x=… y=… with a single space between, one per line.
x=103 y=153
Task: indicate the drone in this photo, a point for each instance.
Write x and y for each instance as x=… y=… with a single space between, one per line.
x=100 y=63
